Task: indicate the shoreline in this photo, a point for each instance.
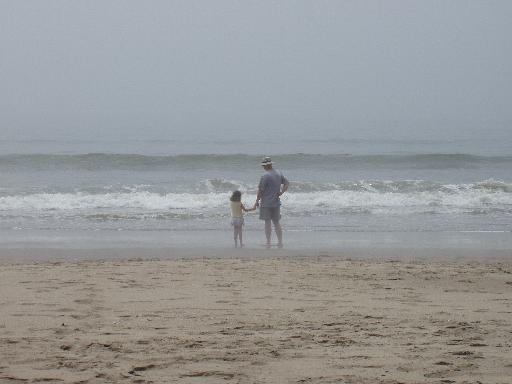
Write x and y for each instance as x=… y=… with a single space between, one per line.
x=31 y=254
x=221 y=239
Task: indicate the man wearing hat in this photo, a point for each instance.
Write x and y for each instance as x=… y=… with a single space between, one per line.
x=268 y=200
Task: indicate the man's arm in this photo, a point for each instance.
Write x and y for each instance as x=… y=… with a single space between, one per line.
x=285 y=183
x=261 y=187
x=258 y=198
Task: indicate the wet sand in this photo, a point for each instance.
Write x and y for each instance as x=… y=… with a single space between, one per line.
x=267 y=319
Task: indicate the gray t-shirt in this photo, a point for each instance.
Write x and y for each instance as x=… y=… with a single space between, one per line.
x=270 y=186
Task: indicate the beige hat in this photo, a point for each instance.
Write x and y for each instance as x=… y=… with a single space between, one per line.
x=266 y=161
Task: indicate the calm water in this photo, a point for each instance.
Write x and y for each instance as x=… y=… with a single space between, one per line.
x=86 y=193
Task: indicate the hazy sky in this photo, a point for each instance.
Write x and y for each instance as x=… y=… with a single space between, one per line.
x=158 y=69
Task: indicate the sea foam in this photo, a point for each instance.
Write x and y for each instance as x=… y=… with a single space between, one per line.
x=302 y=199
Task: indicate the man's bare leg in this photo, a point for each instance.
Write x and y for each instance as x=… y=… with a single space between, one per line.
x=279 y=233
x=268 y=231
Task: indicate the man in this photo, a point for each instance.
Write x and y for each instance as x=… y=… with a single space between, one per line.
x=268 y=200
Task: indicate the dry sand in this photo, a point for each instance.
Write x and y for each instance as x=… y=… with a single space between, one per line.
x=256 y=320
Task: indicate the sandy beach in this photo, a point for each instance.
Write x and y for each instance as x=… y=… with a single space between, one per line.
x=267 y=319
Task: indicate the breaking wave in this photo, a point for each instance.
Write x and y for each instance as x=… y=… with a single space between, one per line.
x=304 y=198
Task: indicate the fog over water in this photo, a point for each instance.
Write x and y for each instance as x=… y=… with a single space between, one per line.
x=224 y=70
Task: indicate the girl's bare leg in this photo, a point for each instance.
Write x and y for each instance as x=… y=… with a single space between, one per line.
x=240 y=236
x=235 y=235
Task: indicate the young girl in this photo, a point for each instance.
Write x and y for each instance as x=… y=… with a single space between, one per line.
x=237 y=216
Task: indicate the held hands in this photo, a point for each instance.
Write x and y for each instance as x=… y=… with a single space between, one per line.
x=253 y=208
x=247 y=209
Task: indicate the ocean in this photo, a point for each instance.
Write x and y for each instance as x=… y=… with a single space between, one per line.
x=343 y=193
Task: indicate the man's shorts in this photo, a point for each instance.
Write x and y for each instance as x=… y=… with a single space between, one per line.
x=270 y=213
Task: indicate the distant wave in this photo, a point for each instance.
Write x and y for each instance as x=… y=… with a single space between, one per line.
x=106 y=161
x=404 y=186
x=222 y=185
x=376 y=186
